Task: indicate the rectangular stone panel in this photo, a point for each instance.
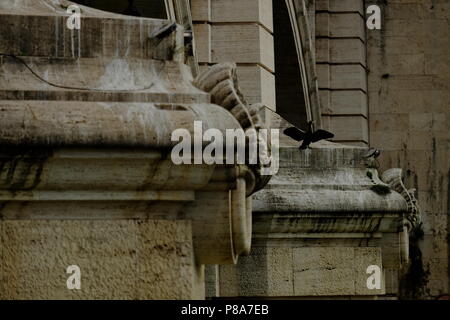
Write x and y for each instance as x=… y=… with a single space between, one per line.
x=347 y=128
x=340 y=51
x=340 y=6
x=201 y=10
x=323 y=75
x=335 y=271
x=202 y=34
x=118 y=259
x=259 y=11
x=323 y=271
x=248 y=278
x=346 y=76
x=363 y=259
x=246 y=43
x=342 y=25
x=343 y=102
x=257 y=85
x=267 y=272
x=280 y=282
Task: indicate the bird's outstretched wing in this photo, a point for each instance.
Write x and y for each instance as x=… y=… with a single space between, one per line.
x=294 y=133
x=321 y=135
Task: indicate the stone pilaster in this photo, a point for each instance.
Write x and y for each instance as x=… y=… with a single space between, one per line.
x=317 y=228
x=342 y=70
x=241 y=32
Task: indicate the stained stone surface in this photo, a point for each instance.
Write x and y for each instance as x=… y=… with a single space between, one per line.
x=86 y=179
x=125 y=259
x=317 y=227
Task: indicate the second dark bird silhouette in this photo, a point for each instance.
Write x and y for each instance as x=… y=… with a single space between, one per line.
x=309 y=136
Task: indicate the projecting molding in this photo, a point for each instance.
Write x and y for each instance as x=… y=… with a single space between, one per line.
x=326 y=191
x=85 y=129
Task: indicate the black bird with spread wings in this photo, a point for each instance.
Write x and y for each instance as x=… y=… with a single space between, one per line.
x=309 y=136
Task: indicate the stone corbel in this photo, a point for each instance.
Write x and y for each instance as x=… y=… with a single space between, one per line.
x=220 y=81
x=393 y=177
x=222 y=219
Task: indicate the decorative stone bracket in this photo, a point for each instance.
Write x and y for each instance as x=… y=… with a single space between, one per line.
x=393 y=177
x=103 y=152
x=220 y=81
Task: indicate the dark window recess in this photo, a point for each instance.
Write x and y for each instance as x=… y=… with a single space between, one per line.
x=145 y=8
x=289 y=90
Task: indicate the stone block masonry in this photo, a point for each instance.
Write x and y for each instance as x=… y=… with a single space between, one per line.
x=341 y=68
x=409 y=111
x=242 y=32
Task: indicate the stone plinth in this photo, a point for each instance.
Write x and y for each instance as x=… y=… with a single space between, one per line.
x=86 y=178
x=317 y=227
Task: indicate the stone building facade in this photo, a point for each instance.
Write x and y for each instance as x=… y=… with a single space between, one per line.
x=409 y=113
x=85 y=123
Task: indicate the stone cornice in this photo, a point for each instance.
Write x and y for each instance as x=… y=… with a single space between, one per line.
x=73 y=123
x=326 y=192
x=220 y=81
x=92 y=183
x=86 y=125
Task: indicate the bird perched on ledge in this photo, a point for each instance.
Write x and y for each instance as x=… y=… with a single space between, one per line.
x=309 y=136
x=372 y=153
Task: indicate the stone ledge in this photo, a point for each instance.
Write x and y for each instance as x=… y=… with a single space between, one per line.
x=101 y=34
x=99 y=184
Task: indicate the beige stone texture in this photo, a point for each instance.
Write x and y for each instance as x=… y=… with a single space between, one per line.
x=247 y=43
x=341 y=68
x=409 y=106
x=202 y=34
x=201 y=10
x=314 y=233
x=286 y=271
x=118 y=259
x=340 y=6
x=349 y=77
x=350 y=128
x=257 y=85
x=86 y=179
x=340 y=51
x=344 y=102
x=240 y=32
x=259 y=11
x=341 y=25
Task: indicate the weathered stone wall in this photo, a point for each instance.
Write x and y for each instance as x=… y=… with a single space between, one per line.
x=241 y=32
x=341 y=69
x=315 y=234
x=86 y=179
x=118 y=259
x=409 y=111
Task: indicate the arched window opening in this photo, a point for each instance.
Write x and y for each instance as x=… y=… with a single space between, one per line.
x=289 y=89
x=295 y=72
